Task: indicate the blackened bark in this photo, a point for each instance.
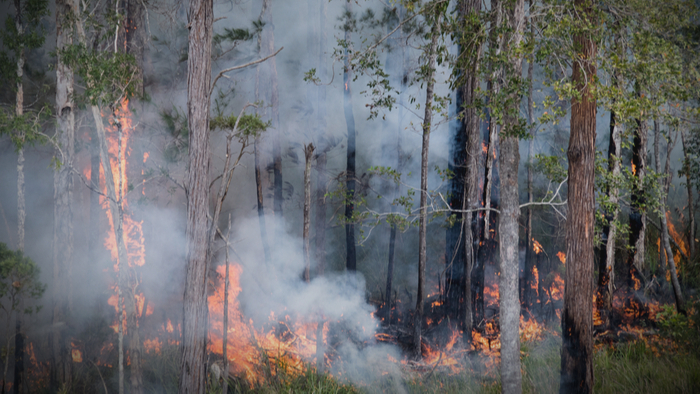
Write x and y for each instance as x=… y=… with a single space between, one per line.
x=260 y=194
x=691 y=202
x=19 y=354
x=194 y=327
x=63 y=216
x=469 y=127
x=423 y=218
x=638 y=215
x=606 y=257
x=577 y=316
x=351 y=262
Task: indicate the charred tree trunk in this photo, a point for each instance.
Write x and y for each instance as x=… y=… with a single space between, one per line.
x=638 y=215
x=308 y=156
x=423 y=219
x=665 y=237
x=351 y=262
x=19 y=352
x=606 y=257
x=63 y=196
x=509 y=218
x=260 y=196
x=467 y=155
x=691 y=203
x=606 y=252
x=577 y=316
x=194 y=328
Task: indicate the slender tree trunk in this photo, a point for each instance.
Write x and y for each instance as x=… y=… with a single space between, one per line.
x=509 y=218
x=529 y=286
x=423 y=219
x=395 y=67
x=469 y=125
x=638 y=216
x=691 y=203
x=63 y=196
x=260 y=194
x=351 y=262
x=127 y=281
x=19 y=351
x=606 y=264
x=577 y=316
x=308 y=156
x=19 y=111
x=496 y=43
x=226 y=288
x=194 y=327
x=606 y=257
x=323 y=146
x=271 y=92
x=665 y=238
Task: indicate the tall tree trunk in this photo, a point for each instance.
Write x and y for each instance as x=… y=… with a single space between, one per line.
x=606 y=261
x=665 y=238
x=577 y=316
x=351 y=262
x=529 y=286
x=484 y=244
x=308 y=156
x=19 y=351
x=423 y=218
x=21 y=211
x=226 y=287
x=396 y=68
x=259 y=184
x=509 y=218
x=323 y=147
x=691 y=202
x=136 y=39
x=469 y=126
x=63 y=197
x=638 y=215
x=496 y=43
x=194 y=328
x=271 y=93
x=606 y=256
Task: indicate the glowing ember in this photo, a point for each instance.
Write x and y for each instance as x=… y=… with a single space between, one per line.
x=562 y=257
x=537 y=247
x=76 y=354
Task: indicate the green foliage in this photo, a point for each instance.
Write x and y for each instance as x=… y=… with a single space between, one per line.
x=19 y=280
x=108 y=76
x=248 y=124
x=14 y=41
x=176 y=126
x=26 y=128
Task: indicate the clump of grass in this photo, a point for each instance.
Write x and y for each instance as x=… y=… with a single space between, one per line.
x=634 y=368
x=310 y=381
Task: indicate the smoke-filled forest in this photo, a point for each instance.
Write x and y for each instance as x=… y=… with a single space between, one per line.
x=349 y=196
